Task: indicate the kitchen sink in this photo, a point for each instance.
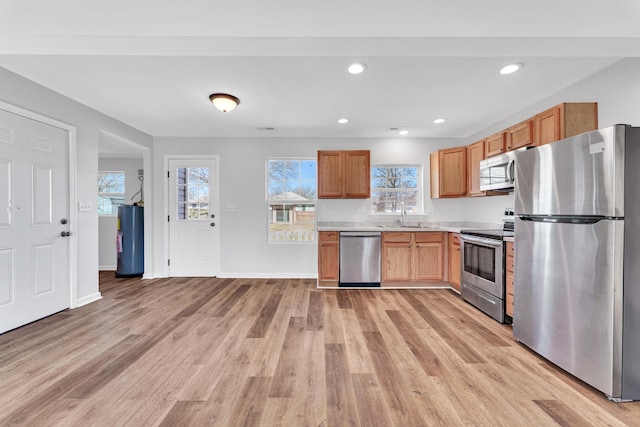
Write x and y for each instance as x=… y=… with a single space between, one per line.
x=383 y=226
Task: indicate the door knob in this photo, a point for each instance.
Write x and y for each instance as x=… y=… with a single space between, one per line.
x=65 y=233
x=63 y=221
x=213 y=224
x=213 y=216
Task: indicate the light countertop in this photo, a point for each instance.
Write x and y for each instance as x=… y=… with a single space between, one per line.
x=453 y=227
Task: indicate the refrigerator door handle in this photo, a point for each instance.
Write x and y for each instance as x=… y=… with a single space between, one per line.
x=564 y=220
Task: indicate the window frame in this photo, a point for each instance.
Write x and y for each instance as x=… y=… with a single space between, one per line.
x=418 y=189
x=107 y=194
x=312 y=202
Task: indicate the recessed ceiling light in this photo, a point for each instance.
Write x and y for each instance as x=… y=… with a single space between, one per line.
x=403 y=132
x=439 y=121
x=356 y=68
x=343 y=121
x=511 y=68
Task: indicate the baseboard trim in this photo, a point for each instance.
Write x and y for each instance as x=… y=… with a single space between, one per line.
x=227 y=275
x=107 y=267
x=88 y=299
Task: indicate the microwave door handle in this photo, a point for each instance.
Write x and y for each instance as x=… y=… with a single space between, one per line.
x=511 y=171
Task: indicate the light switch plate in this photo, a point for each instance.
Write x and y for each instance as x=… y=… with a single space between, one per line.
x=85 y=206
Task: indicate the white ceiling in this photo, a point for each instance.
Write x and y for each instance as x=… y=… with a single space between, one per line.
x=153 y=64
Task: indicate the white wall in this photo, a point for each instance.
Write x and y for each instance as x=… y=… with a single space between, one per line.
x=244 y=248
x=245 y=251
x=26 y=94
x=107 y=256
x=616 y=89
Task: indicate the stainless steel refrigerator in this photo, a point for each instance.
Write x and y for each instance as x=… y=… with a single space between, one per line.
x=577 y=257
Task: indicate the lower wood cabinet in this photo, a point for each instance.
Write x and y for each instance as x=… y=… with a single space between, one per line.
x=510 y=268
x=454 y=260
x=328 y=256
x=412 y=257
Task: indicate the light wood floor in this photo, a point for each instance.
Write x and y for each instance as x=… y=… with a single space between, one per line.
x=192 y=352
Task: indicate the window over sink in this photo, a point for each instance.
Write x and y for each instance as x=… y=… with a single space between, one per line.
x=291 y=200
x=391 y=185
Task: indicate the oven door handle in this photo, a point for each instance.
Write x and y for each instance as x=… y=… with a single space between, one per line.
x=480 y=241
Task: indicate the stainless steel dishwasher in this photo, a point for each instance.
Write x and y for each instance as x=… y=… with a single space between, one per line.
x=360 y=253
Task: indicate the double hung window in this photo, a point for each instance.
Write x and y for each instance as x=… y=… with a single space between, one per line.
x=291 y=200
x=392 y=185
x=110 y=192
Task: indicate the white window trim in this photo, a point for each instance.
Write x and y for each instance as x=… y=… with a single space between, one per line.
x=419 y=196
x=106 y=194
x=266 y=192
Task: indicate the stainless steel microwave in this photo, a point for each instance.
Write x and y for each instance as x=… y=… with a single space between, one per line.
x=497 y=173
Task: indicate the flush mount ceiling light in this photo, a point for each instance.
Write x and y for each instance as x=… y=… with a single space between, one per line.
x=343 y=121
x=439 y=121
x=511 y=68
x=223 y=101
x=403 y=132
x=356 y=68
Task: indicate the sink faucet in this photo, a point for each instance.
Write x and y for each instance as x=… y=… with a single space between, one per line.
x=403 y=212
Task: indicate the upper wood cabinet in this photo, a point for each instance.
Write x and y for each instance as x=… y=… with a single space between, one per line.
x=344 y=174
x=449 y=173
x=475 y=153
x=565 y=120
x=495 y=144
x=520 y=135
x=328 y=256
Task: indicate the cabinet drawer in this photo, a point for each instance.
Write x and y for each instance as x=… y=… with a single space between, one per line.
x=509 y=282
x=396 y=237
x=510 y=264
x=509 y=305
x=510 y=259
x=428 y=237
x=331 y=236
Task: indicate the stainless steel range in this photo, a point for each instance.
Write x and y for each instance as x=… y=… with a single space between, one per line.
x=482 y=266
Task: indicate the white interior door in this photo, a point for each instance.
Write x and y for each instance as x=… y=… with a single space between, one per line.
x=193 y=217
x=34 y=213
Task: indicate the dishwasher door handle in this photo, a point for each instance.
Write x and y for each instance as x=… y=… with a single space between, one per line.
x=360 y=234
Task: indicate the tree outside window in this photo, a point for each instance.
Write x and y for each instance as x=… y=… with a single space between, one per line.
x=192 y=193
x=110 y=192
x=393 y=185
x=291 y=200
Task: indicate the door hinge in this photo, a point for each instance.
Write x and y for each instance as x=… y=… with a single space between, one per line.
x=169 y=262
x=168 y=218
x=167 y=174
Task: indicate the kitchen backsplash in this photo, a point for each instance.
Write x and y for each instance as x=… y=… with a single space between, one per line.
x=474 y=209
